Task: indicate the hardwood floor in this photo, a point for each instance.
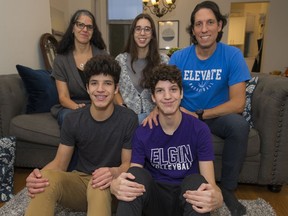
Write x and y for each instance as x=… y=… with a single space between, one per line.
x=279 y=201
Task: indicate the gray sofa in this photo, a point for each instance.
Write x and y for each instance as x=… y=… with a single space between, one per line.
x=267 y=155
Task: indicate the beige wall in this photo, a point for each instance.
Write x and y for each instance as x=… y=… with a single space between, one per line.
x=61 y=11
x=22 y=23
x=275 y=52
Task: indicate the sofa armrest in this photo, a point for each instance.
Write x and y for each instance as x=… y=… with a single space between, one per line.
x=13 y=99
x=270 y=118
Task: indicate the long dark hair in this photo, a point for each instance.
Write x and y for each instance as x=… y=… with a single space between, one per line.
x=67 y=42
x=153 y=56
x=219 y=17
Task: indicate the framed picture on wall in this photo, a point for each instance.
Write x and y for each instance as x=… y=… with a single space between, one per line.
x=168 y=34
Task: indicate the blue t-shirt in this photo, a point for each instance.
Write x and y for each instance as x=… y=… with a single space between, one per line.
x=206 y=82
x=170 y=158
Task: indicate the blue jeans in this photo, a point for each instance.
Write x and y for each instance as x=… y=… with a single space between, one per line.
x=141 y=117
x=234 y=129
x=61 y=115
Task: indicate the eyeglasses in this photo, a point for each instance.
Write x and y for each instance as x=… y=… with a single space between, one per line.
x=81 y=26
x=147 y=30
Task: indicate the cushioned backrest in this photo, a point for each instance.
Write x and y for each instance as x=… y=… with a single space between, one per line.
x=269 y=99
x=270 y=117
x=12 y=100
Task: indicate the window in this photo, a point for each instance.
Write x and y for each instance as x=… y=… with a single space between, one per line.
x=120 y=16
x=124 y=9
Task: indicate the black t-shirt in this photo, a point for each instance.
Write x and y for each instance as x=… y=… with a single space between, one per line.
x=99 y=143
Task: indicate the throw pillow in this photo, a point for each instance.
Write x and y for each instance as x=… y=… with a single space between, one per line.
x=250 y=86
x=7 y=157
x=41 y=89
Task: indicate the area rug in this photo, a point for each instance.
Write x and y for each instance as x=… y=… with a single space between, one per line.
x=17 y=205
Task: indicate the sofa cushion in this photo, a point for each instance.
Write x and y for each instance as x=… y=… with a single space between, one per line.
x=41 y=89
x=13 y=99
x=253 y=147
x=39 y=128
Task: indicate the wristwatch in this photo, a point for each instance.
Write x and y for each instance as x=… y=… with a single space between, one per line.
x=200 y=113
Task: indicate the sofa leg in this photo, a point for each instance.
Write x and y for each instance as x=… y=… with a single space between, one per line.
x=274 y=188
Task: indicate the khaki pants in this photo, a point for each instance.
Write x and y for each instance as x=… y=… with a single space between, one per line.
x=72 y=190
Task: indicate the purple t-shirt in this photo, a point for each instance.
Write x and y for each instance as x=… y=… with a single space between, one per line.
x=170 y=158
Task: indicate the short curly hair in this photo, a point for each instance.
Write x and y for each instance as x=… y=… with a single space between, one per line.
x=165 y=72
x=102 y=64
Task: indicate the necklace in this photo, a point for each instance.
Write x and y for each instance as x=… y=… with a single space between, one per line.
x=81 y=66
x=82 y=57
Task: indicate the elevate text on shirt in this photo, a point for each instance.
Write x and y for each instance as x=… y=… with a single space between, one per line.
x=197 y=75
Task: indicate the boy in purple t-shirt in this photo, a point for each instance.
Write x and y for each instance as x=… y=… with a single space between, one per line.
x=171 y=170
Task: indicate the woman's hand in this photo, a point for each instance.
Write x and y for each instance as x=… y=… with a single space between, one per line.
x=81 y=105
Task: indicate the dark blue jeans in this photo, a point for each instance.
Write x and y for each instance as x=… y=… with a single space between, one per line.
x=61 y=115
x=234 y=129
x=160 y=199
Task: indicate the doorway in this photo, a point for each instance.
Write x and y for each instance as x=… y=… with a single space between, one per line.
x=246 y=30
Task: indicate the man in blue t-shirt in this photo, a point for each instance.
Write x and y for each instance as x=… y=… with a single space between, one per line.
x=214 y=76
x=171 y=170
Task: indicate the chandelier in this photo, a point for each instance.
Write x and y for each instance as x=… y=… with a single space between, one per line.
x=156 y=8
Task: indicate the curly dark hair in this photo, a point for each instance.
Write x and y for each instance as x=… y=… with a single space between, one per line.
x=165 y=72
x=153 y=56
x=67 y=42
x=102 y=64
x=219 y=17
